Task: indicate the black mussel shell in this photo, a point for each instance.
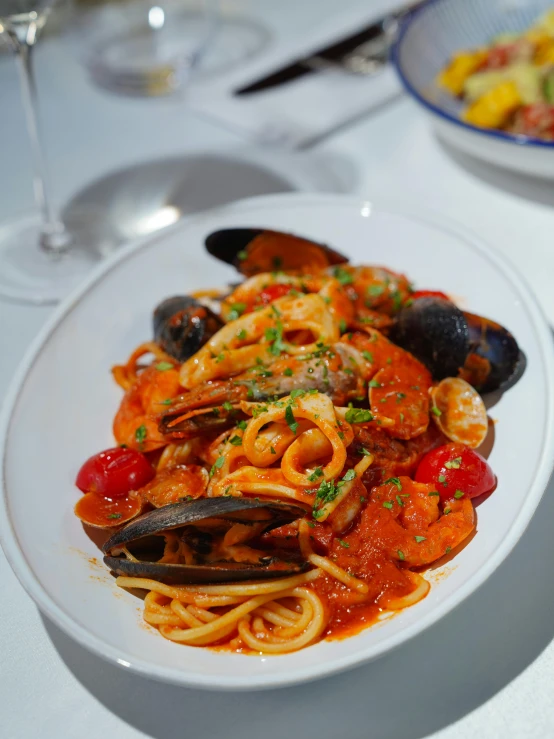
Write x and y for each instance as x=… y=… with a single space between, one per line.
x=175 y=574
x=182 y=514
x=436 y=332
x=493 y=342
x=174 y=515
x=182 y=325
x=252 y=251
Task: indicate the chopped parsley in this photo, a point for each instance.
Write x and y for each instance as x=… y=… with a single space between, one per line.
x=401 y=556
x=395 y=481
x=358 y=415
x=375 y=290
x=220 y=358
x=459 y=494
x=374 y=383
x=344 y=277
x=342 y=326
x=318 y=472
x=227 y=406
x=367 y=355
x=242 y=425
x=365 y=452
x=350 y=475
x=436 y=411
x=272 y=450
x=399 y=501
x=114 y=515
x=242 y=255
x=441 y=478
x=433 y=492
x=235 y=441
x=217 y=465
x=288 y=372
x=298 y=393
x=241 y=334
x=289 y=418
x=237 y=309
x=140 y=435
x=275 y=337
x=447 y=550
x=164 y=366
x=167 y=401
x=387 y=504
x=344 y=544
x=453 y=464
x=419 y=539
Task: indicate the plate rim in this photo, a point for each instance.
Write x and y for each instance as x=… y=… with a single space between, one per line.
x=34 y=588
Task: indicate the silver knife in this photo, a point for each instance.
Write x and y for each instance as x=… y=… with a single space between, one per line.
x=364 y=52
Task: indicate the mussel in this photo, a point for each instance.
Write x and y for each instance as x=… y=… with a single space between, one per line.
x=254 y=250
x=182 y=325
x=450 y=342
x=206 y=531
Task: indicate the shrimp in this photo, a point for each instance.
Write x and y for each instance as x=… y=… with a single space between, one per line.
x=332 y=370
x=398 y=383
x=373 y=289
x=404 y=519
x=136 y=421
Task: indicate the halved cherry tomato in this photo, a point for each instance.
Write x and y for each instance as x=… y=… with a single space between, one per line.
x=272 y=292
x=429 y=294
x=457 y=472
x=114 y=472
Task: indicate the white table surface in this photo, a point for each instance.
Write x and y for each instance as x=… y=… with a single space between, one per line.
x=487 y=669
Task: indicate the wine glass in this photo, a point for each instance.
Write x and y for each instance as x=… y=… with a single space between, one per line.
x=42 y=256
x=39 y=261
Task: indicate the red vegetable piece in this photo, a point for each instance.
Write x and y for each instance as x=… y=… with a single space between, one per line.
x=114 y=472
x=457 y=471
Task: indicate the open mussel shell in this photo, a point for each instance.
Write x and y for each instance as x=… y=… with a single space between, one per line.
x=178 y=515
x=252 y=250
x=182 y=325
x=174 y=574
x=492 y=342
x=436 y=332
x=451 y=342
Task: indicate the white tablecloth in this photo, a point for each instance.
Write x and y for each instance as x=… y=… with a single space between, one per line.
x=487 y=669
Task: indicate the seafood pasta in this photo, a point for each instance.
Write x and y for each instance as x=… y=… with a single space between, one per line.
x=294 y=451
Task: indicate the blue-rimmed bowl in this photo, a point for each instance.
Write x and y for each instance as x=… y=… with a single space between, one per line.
x=427 y=39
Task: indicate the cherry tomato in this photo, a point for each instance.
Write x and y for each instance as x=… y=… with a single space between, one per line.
x=457 y=471
x=429 y=294
x=114 y=472
x=272 y=292
x=499 y=56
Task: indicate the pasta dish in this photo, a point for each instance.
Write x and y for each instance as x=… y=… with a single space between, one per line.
x=293 y=451
x=509 y=83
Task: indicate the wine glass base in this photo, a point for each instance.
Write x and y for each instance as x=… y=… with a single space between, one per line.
x=31 y=275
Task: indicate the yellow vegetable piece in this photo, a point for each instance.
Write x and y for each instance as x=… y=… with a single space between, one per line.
x=495 y=107
x=544 y=53
x=461 y=66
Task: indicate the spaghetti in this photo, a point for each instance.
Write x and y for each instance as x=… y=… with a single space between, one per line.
x=275 y=466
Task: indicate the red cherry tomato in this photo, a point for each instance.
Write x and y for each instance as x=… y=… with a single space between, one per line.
x=456 y=469
x=114 y=472
x=272 y=292
x=429 y=294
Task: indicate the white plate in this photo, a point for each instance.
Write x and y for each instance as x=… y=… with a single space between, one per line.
x=60 y=407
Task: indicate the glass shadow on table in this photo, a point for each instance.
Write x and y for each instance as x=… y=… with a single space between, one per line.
x=146 y=197
x=430 y=682
x=534 y=189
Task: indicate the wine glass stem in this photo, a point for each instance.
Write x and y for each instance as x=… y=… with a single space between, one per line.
x=53 y=235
